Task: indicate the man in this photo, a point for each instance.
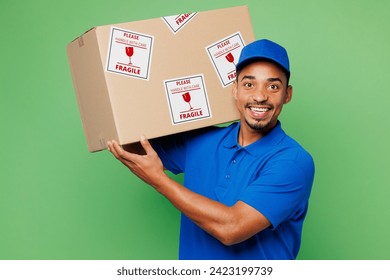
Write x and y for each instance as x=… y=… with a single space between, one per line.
x=246 y=186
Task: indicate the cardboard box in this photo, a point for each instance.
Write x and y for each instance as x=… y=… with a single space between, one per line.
x=158 y=77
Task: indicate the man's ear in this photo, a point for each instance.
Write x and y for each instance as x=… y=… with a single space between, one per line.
x=289 y=93
x=234 y=90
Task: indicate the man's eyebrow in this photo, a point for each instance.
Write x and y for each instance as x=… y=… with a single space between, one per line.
x=275 y=80
x=248 y=77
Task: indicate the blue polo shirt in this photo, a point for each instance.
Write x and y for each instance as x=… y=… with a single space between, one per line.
x=273 y=175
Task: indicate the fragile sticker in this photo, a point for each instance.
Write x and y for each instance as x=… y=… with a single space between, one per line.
x=130 y=53
x=176 y=22
x=224 y=55
x=187 y=99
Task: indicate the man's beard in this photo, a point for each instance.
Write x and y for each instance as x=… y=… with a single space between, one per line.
x=261 y=127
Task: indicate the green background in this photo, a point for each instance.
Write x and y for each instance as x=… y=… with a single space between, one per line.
x=58 y=201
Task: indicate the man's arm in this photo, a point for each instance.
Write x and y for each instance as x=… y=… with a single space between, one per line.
x=230 y=225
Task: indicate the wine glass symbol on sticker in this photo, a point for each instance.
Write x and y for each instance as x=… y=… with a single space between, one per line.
x=129 y=53
x=229 y=57
x=187 y=98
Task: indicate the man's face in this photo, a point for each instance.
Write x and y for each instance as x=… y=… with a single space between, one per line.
x=260 y=91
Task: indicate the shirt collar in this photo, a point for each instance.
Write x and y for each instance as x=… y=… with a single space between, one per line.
x=265 y=143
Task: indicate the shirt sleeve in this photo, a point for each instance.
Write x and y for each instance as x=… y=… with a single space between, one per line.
x=281 y=190
x=173 y=149
x=172 y=152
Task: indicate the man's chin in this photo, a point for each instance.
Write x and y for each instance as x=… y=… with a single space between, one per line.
x=262 y=126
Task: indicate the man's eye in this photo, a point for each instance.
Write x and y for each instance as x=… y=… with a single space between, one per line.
x=274 y=87
x=248 y=85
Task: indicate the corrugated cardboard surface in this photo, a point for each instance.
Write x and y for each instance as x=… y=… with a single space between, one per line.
x=124 y=107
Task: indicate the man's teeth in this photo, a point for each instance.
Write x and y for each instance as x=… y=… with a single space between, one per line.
x=259 y=110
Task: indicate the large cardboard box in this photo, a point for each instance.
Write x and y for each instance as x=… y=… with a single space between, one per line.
x=159 y=76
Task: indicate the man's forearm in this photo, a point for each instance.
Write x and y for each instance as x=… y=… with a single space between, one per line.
x=227 y=224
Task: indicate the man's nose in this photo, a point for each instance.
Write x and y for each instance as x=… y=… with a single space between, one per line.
x=260 y=96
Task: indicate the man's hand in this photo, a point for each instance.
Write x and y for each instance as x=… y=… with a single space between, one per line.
x=147 y=167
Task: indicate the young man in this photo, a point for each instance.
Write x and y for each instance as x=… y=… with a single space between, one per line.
x=246 y=187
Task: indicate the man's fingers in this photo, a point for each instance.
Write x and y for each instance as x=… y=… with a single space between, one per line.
x=120 y=153
x=147 y=167
x=112 y=149
x=146 y=145
x=116 y=150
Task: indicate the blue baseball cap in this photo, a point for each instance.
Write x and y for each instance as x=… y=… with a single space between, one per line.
x=264 y=49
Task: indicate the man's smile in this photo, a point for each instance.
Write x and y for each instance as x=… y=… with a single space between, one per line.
x=259 y=111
